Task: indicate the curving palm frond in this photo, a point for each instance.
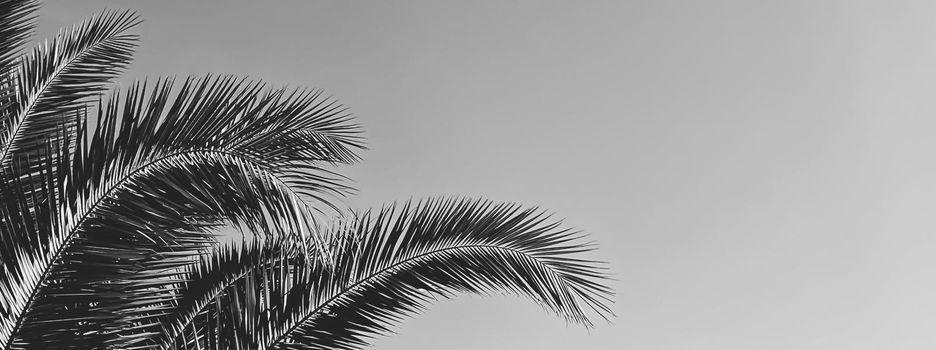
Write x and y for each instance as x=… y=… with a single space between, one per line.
x=386 y=265
x=159 y=168
x=110 y=211
x=59 y=76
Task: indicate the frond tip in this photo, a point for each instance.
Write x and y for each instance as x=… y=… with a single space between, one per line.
x=392 y=262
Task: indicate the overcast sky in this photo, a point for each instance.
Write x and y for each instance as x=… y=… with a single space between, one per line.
x=759 y=174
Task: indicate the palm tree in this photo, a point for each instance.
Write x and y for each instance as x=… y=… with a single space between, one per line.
x=111 y=210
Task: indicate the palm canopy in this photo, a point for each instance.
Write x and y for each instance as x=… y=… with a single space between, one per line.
x=110 y=208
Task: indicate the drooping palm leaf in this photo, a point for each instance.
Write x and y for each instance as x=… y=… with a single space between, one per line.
x=390 y=264
x=160 y=167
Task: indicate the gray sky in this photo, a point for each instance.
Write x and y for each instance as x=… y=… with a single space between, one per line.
x=759 y=174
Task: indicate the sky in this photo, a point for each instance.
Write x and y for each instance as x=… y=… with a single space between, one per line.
x=757 y=174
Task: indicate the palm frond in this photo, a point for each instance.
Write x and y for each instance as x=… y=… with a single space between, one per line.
x=158 y=170
x=17 y=19
x=26 y=225
x=59 y=76
x=390 y=264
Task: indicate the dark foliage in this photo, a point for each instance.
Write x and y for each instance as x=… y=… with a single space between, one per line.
x=110 y=209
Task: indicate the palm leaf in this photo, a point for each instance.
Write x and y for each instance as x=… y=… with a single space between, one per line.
x=390 y=264
x=159 y=169
x=25 y=227
x=168 y=317
x=59 y=76
x=17 y=19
